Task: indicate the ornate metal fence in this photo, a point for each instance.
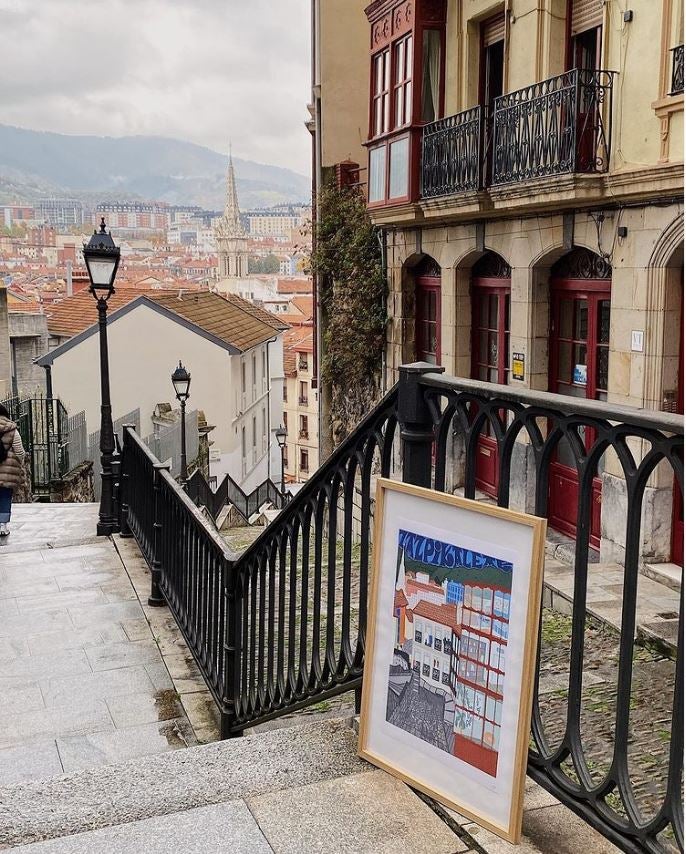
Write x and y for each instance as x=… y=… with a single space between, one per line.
x=558 y=126
x=451 y=154
x=283 y=626
x=229 y=492
x=677 y=70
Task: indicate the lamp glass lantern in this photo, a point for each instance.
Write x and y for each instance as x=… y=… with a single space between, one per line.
x=181 y=380
x=102 y=260
x=281 y=434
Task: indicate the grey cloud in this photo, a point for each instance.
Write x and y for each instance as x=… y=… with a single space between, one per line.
x=202 y=70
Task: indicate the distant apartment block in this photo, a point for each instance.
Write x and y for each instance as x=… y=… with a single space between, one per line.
x=273 y=223
x=134 y=215
x=61 y=213
x=16 y=215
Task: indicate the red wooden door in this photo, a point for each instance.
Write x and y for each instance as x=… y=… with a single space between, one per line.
x=490 y=351
x=580 y=338
x=428 y=319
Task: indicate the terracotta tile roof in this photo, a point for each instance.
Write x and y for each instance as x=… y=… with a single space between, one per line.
x=289 y=363
x=233 y=320
x=262 y=314
x=444 y=615
x=74 y=314
x=29 y=307
x=304 y=304
x=399 y=600
x=294 y=286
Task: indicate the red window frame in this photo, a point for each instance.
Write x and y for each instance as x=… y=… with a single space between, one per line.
x=485 y=290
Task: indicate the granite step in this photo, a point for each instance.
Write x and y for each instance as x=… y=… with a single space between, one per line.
x=168 y=783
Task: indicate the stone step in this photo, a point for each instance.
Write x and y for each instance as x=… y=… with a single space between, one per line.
x=669 y=574
x=168 y=783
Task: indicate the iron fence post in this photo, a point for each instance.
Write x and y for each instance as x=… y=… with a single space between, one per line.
x=124 y=478
x=416 y=424
x=232 y=634
x=156 y=599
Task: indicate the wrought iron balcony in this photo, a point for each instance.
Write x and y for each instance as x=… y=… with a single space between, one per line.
x=677 y=70
x=451 y=154
x=556 y=127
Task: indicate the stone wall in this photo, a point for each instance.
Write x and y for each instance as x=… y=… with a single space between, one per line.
x=75 y=487
x=29 y=336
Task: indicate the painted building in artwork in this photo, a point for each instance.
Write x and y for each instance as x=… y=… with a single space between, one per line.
x=434 y=627
x=478 y=675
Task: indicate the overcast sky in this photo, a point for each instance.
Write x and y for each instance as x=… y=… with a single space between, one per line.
x=200 y=70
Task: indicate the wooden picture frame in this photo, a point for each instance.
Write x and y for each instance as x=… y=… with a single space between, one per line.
x=452 y=635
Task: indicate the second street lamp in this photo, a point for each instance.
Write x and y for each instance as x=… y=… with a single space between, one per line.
x=281 y=435
x=181 y=380
x=102 y=259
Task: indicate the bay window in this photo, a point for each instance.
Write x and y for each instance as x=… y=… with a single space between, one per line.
x=407 y=71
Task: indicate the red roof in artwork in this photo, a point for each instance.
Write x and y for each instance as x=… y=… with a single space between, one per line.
x=445 y=615
x=431 y=587
x=399 y=600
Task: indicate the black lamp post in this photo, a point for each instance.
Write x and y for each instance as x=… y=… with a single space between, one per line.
x=102 y=259
x=181 y=380
x=281 y=434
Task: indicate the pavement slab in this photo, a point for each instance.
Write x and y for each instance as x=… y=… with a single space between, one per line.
x=221 y=829
x=371 y=813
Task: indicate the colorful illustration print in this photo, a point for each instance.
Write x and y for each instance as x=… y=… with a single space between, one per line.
x=451 y=614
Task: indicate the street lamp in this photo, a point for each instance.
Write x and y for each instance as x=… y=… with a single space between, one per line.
x=102 y=259
x=281 y=434
x=181 y=380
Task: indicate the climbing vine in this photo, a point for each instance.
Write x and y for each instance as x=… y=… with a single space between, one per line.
x=352 y=291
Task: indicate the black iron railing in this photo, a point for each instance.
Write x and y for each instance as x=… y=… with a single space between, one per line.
x=677 y=70
x=283 y=626
x=559 y=126
x=229 y=492
x=451 y=154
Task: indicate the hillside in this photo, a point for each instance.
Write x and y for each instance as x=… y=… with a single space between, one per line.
x=37 y=163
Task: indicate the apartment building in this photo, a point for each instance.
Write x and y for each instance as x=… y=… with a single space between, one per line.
x=525 y=165
x=300 y=404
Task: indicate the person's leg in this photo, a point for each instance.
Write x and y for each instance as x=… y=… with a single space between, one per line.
x=5 y=504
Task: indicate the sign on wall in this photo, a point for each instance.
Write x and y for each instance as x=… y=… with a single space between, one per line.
x=518 y=366
x=451 y=649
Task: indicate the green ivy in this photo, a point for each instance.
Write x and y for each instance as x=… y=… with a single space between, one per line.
x=352 y=289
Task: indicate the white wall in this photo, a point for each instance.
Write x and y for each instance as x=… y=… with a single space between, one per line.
x=144 y=349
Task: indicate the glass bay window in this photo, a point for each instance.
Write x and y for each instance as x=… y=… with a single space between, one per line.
x=406 y=91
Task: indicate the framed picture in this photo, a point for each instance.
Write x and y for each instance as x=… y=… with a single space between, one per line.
x=451 y=649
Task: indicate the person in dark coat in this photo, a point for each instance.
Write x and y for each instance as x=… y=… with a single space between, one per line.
x=11 y=467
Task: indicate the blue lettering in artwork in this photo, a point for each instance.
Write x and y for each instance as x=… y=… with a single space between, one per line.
x=437 y=553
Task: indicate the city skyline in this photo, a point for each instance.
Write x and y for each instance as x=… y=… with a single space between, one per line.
x=253 y=62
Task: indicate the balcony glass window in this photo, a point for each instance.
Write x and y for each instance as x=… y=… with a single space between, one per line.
x=399 y=168
x=431 y=75
x=381 y=100
x=403 y=82
x=377 y=174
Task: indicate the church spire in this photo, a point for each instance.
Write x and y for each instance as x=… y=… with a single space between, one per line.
x=231 y=221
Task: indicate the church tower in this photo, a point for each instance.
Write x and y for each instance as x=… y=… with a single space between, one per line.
x=232 y=243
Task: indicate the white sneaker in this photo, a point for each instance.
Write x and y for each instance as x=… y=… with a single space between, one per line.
x=4 y=529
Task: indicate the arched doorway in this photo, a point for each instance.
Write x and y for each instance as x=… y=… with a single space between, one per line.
x=427 y=278
x=490 y=290
x=580 y=285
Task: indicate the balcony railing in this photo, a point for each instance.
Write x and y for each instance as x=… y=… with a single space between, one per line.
x=553 y=128
x=677 y=70
x=451 y=154
x=302 y=400
x=556 y=127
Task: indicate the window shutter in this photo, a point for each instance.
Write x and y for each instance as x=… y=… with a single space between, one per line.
x=493 y=30
x=586 y=15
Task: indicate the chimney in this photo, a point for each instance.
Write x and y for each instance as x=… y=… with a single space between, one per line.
x=70 y=284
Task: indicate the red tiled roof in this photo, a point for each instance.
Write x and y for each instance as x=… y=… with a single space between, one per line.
x=304 y=304
x=262 y=314
x=445 y=615
x=420 y=585
x=294 y=286
x=31 y=307
x=399 y=600
x=74 y=314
